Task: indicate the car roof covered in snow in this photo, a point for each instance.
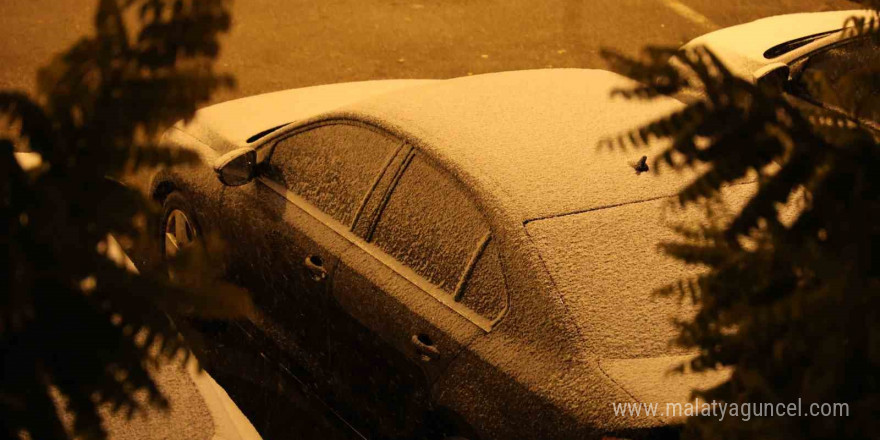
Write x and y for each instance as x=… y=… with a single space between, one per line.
x=524 y=141
x=231 y=124
x=528 y=139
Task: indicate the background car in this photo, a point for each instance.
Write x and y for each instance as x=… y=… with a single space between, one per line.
x=793 y=48
x=451 y=258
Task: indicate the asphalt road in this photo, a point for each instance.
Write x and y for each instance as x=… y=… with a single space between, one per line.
x=281 y=44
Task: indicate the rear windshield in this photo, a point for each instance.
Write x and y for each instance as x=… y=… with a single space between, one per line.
x=606 y=264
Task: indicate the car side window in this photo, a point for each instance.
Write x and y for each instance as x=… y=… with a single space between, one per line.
x=485 y=291
x=332 y=166
x=838 y=77
x=430 y=225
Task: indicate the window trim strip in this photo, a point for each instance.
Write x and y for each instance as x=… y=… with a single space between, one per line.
x=458 y=293
x=375 y=183
x=368 y=236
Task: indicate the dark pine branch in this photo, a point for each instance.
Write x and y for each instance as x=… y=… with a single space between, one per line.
x=101 y=107
x=790 y=294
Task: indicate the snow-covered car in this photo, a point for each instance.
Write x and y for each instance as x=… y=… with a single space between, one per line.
x=789 y=48
x=445 y=258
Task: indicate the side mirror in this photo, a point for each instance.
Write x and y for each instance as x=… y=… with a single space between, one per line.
x=774 y=75
x=236 y=167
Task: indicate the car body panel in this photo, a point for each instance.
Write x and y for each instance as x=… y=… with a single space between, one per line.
x=398 y=310
x=508 y=387
x=273 y=240
x=360 y=373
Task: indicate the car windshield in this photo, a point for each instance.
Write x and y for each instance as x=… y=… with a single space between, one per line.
x=606 y=263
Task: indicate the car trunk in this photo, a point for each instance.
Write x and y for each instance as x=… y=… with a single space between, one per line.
x=606 y=265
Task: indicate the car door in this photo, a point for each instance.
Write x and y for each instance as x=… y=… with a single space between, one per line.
x=418 y=239
x=289 y=232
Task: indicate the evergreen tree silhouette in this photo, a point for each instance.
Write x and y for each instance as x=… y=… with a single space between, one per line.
x=793 y=306
x=75 y=326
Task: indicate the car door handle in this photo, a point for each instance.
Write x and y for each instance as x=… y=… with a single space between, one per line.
x=425 y=347
x=314 y=265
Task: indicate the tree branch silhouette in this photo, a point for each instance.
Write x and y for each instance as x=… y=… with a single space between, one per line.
x=73 y=323
x=790 y=304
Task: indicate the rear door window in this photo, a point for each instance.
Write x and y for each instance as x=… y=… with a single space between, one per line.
x=332 y=166
x=431 y=225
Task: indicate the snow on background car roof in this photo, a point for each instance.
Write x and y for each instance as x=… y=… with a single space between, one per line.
x=529 y=138
x=742 y=47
